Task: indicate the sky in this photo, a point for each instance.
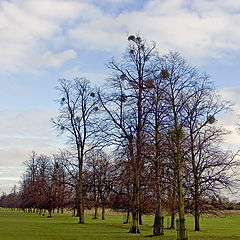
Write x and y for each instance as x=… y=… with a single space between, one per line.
x=44 y=40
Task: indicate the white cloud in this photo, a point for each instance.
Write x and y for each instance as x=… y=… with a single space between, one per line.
x=29 y=28
x=25 y=123
x=62 y=10
x=96 y=77
x=230 y=119
x=24 y=131
x=173 y=24
x=56 y=60
x=232 y=94
x=32 y=29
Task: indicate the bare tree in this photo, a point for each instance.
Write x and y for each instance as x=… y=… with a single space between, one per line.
x=127 y=110
x=180 y=81
x=78 y=119
x=29 y=180
x=211 y=168
x=156 y=140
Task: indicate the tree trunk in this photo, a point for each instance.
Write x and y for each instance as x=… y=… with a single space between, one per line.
x=135 y=213
x=61 y=210
x=103 y=212
x=135 y=196
x=78 y=211
x=80 y=187
x=135 y=223
x=140 y=218
x=137 y=160
x=128 y=217
x=158 y=224
x=182 y=228
x=74 y=211
x=50 y=213
x=158 y=221
x=197 y=217
x=172 y=220
x=196 y=185
x=179 y=160
x=95 y=212
x=135 y=208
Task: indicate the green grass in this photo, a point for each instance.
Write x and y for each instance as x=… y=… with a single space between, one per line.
x=30 y=226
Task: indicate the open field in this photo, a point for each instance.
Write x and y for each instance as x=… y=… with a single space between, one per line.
x=30 y=226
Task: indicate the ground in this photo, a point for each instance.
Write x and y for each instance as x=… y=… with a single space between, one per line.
x=16 y=225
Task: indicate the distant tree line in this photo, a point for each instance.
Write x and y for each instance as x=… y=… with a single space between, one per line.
x=146 y=142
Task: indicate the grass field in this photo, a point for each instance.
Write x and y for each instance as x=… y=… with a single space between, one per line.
x=30 y=226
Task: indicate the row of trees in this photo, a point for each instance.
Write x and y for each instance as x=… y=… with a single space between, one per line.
x=157 y=116
x=51 y=182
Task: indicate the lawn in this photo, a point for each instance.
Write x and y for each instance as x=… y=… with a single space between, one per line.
x=30 y=226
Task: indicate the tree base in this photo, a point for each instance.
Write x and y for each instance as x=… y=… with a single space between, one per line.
x=158 y=233
x=134 y=230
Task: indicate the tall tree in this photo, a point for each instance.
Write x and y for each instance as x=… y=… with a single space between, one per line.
x=180 y=81
x=127 y=110
x=204 y=136
x=154 y=131
x=77 y=118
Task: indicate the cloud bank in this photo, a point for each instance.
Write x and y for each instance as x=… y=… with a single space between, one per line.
x=52 y=31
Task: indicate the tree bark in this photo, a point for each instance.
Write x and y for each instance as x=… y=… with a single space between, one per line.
x=74 y=211
x=172 y=220
x=196 y=185
x=158 y=225
x=135 y=223
x=138 y=159
x=182 y=228
x=140 y=218
x=50 y=213
x=135 y=206
x=80 y=187
x=103 y=212
x=135 y=213
x=158 y=221
x=197 y=217
x=95 y=212
x=128 y=217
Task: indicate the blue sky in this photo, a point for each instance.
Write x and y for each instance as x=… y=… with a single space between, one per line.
x=44 y=40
